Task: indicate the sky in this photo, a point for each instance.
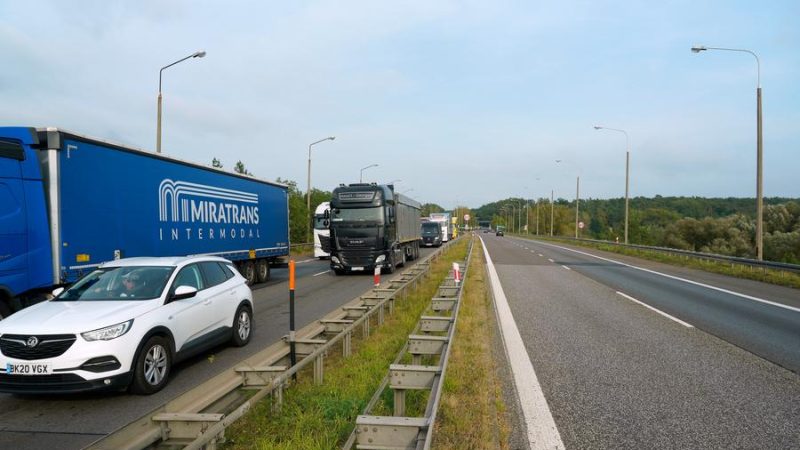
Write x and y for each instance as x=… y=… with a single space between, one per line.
x=464 y=102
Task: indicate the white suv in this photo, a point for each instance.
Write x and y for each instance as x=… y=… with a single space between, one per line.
x=124 y=325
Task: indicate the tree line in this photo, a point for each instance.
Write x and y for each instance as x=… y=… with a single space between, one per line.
x=724 y=226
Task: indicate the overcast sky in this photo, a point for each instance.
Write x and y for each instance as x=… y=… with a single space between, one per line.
x=466 y=102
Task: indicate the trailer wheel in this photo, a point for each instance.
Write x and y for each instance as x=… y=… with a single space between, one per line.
x=262 y=270
x=248 y=270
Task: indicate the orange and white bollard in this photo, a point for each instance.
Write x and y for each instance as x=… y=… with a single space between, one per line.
x=377 y=276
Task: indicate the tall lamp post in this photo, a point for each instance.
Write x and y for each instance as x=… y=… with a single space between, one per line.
x=199 y=54
x=361 y=176
x=577 y=198
x=759 y=149
x=308 y=192
x=627 y=171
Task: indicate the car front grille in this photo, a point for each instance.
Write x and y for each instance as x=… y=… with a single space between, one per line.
x=29 y=380
x=47 y=346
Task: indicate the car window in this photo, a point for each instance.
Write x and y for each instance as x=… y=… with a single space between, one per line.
x=213 y=273
x=119 y=283
x=228 y=270
x=189 y=276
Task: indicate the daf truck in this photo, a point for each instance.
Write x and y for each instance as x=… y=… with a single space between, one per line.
x=372 y=226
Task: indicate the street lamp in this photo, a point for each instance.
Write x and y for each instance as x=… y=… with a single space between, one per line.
x=577 y=197
x=552 y=211
x=759 y=149
x=627 y=171
x=361 y=176
x=308 y=192
x=199 y=54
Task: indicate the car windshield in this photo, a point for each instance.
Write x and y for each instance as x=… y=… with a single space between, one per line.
x=374 y=214
x=119 y=283
x=430 y=229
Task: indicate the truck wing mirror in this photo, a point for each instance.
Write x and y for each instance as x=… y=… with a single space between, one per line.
x=326 y=223
x=327 y=214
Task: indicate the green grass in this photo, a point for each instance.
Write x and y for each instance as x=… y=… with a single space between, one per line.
x=471 y=377
x=766 y=275
x=322 y=417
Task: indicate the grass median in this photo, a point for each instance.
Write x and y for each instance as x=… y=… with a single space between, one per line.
x=322 y=417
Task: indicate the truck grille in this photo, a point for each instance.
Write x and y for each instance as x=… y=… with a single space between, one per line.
x=325 y=243
x=47 y=346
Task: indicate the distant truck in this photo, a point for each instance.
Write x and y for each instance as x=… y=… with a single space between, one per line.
x=69 y=202
x=444 y=220
x=321 y=231
x=372 y=226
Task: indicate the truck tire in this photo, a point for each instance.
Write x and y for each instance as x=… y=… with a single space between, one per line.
x=152 y=368
x=248 y=270
x=5 y=310
x=262 y=270
x=390 y=269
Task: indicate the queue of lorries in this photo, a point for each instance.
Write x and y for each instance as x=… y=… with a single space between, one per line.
x=116 y=262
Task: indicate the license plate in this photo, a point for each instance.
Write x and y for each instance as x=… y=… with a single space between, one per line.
x=356 y=269
x=42 y=368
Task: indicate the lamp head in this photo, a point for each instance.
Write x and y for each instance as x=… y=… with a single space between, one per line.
x=698 y=49
x=597 y=127
x=332 y=137
x=199 y=54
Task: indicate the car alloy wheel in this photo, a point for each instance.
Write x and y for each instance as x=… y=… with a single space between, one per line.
x=242 y=326
x=152 y=366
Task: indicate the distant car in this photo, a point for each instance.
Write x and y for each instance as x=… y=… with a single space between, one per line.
x=124 y=325
x=486 y=230
x=499 y=233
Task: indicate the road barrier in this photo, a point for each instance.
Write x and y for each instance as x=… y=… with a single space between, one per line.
x=750 y=263
x=431 y=339
x=198 y=418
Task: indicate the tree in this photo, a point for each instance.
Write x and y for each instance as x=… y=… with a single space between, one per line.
x=216 y=163
x=240 y=168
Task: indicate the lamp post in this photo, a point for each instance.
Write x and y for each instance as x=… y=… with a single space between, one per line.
x=577 y=199
x=759 y=149
x=627 y=171
x=199 y=54
x=552 y=212
x=361 y=175
x=308 y=192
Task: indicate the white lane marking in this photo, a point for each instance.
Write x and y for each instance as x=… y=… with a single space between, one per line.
x=550 y=260
x=566 y=267
x=540 y=255
x=708 y=286
x=321 y=273
x=656 y=310
x=542 y=431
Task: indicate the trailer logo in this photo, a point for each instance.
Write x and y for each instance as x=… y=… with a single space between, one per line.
x=225 y=212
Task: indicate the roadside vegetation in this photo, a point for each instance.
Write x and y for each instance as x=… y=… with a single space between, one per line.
x=472 y=413
x=322 y=417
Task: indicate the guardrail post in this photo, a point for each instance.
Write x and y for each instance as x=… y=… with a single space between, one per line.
x=399 y=402
x=319 y=366
x=277 y=398
x=380 y=315
x=346 y=347
x=365 y=327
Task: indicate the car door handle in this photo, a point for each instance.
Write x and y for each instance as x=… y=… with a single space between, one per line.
x=207 y=302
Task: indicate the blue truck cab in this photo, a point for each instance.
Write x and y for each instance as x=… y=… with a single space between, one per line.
x=69 y=202
x=24 y=235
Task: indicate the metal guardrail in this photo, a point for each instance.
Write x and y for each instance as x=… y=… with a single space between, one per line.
x=752 y=263
x=432 y=337
x=198 y=418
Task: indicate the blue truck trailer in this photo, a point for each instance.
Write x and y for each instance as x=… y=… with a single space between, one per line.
x=70 y=202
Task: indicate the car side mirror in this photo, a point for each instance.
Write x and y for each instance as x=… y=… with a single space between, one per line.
x=182 y=292
x=57 y=291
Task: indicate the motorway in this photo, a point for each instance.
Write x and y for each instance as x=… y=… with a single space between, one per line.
x=75 y=421
x=637 y=354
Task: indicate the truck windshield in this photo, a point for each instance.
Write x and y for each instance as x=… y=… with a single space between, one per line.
x=430 y=229
x=374 y=214
x=119 y=283
x=319 y=222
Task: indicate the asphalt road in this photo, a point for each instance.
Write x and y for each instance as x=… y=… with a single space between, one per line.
x=75 y=421
x=617 y=374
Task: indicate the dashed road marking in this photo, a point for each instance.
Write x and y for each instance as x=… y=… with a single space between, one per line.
x=656 y=310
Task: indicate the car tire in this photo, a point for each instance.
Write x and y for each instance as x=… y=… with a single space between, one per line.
x=242 y=326
x=153 y=364
x=262 y=270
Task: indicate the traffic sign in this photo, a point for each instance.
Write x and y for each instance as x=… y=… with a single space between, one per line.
x=580 y=225
x=466 y=217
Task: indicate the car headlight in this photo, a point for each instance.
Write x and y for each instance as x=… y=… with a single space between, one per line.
x=380 y=259
x=108 y=333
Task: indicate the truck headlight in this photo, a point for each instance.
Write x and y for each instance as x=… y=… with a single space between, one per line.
x=108 y=333
x=380 y=259
x=335 y=260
